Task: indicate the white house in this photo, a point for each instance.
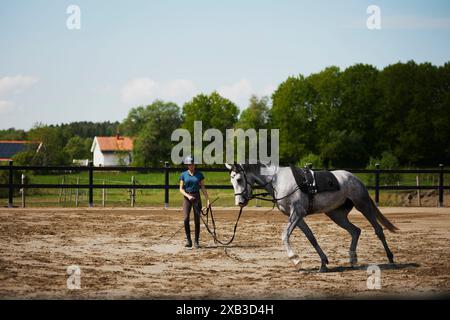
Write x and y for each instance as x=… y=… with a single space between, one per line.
x=112 y=151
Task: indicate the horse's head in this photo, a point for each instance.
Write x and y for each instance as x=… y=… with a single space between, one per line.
x=241 y=184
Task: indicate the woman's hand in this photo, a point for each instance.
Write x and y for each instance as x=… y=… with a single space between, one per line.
x=190 y=198
x=207 y=203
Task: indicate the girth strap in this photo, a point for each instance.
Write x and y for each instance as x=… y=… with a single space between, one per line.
x=305 y=181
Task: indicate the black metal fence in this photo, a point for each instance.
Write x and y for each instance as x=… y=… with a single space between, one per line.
x=11 y=185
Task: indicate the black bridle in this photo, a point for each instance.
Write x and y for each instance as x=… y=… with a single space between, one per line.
x=259 y=196
x=245 y=193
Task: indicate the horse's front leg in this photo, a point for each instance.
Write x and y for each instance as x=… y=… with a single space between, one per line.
x=293 y=219
x=308 y=233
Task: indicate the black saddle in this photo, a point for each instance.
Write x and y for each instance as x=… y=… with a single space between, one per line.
x=313 y=182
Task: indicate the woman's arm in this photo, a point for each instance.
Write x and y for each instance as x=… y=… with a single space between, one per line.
x=205 y=193
x=184 y=192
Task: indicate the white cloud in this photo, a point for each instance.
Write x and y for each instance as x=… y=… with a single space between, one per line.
x=241 y=91
x=141 y=91
x=11 y=86
x=238 y=92
x=16 y=84
x=179 y=88
x=146 y=90
x=6 y=106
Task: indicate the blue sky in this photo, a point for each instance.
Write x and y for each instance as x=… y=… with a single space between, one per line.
x=132 y=52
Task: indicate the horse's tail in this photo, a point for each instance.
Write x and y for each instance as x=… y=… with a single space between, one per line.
x=383 y=220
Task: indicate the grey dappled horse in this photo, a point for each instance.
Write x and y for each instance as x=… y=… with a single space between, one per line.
x=281 y=185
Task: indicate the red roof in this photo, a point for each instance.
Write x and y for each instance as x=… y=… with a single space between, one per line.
x=117 y=143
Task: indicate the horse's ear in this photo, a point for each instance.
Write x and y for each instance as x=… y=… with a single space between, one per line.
x=228 y=166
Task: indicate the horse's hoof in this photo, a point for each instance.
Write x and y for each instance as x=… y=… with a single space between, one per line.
x=296 y=262
x=295 y=259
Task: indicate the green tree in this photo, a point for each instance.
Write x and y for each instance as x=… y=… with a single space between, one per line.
x=255 y=115
x=78 y=148
x=413 y=112
x=328 y=101
x=136 y=120
x=213 y=110
x=344 y=149
x=13 y=134
x=28 y=158
x=88 y=129
x=153 y=143
x=360 y=97
x=52 y=151
x=441 y=118
x=315 y=160
x=387 y=161
x=292 y=114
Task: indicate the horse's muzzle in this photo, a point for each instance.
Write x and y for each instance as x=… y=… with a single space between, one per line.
x=243 y=204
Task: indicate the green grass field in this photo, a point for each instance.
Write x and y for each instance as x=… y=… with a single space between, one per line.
x=121 y=197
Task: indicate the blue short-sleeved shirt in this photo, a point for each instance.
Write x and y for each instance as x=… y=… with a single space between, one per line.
x=192 y=183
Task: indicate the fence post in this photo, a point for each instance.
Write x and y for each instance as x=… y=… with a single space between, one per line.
x=70 y=195
x=10 y=185
x=166 y=184
x=23 y=190
x=133 y=191
x=65 y=191
x=418 y=191
x=377 y=184
x=77 y=192
x=61 y=190
x=103 y=194
x=441 y=185
x=91 y=182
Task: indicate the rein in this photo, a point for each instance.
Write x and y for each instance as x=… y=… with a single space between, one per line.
x=260 y=196
x=213 y=232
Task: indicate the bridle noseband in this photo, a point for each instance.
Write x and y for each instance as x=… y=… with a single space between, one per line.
x=245 y=193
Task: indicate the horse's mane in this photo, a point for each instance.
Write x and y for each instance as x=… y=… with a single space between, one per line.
x=248 y=167
x=252 y=167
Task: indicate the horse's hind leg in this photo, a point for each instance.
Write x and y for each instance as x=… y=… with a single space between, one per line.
x=308 y=233
x=367 y=208
x=340 y=217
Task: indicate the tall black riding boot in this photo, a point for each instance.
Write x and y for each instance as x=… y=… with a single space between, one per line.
x=197 y=235
x=187 y=230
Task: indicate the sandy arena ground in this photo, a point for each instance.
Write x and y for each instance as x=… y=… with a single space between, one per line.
x=125 y=253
